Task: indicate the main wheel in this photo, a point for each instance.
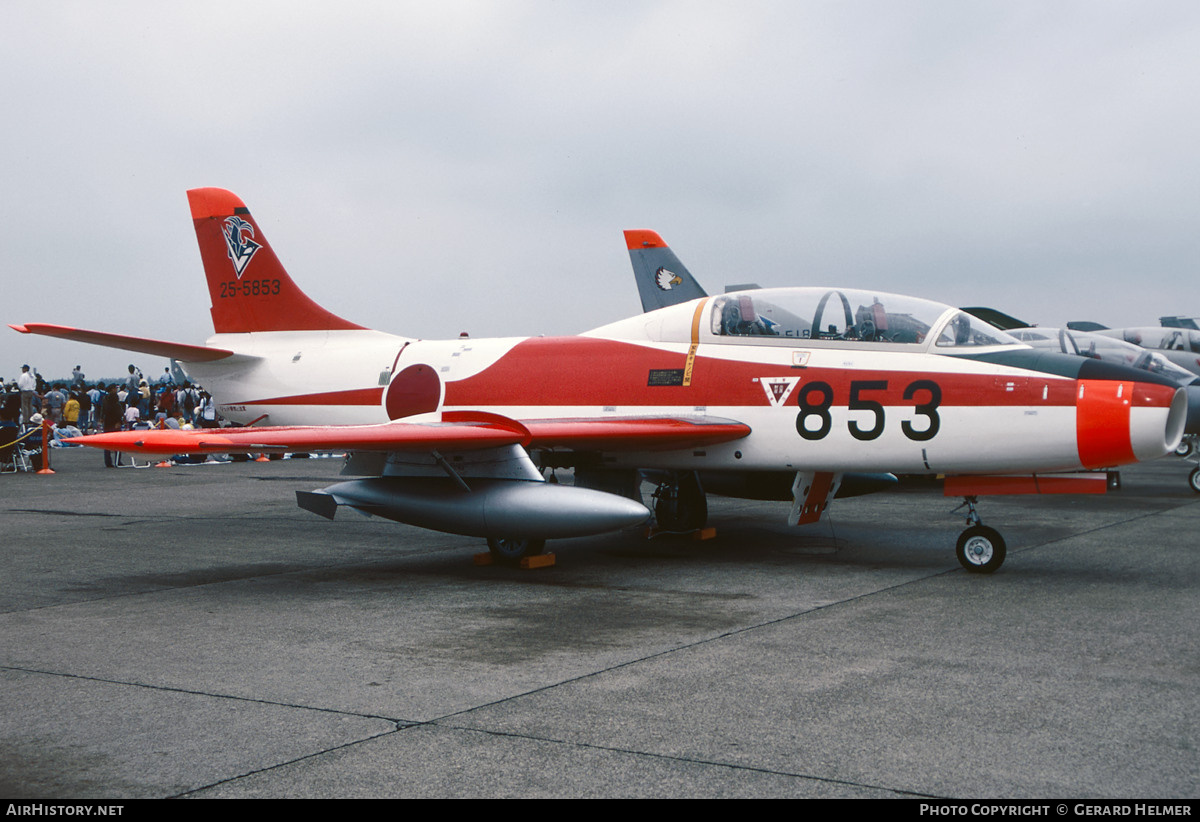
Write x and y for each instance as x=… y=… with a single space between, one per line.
x=981 y=549
x=512 y=549
x=681 y=506
x=1184 y=449
x=1194 y=480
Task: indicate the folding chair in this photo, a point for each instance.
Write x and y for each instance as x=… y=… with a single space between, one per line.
x=12 y=455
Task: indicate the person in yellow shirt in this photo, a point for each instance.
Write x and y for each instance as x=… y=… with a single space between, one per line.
x=70 y=413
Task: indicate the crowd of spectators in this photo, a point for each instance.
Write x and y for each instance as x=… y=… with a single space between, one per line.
x=78 y=407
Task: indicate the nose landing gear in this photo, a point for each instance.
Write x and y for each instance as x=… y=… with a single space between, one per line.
x=980 y=549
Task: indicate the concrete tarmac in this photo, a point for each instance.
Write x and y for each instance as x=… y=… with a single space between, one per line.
x=190 y=632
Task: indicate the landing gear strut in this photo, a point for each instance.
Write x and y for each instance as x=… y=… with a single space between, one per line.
x=1188 y=450
x=512 y=549
x=680 y=504
x=1186 y=447
x=980 y=549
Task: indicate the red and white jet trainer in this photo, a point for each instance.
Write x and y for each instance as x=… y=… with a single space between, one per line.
x=453 y=434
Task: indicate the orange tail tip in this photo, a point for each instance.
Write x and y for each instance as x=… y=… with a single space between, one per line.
x=214 y=202
x=248 y=285
x=642 y=238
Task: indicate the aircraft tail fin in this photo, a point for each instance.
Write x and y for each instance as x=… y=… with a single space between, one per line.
x=662 y=279
x=249 y=288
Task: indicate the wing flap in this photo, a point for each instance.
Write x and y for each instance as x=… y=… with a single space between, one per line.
x=143 y=345
x=633 y=433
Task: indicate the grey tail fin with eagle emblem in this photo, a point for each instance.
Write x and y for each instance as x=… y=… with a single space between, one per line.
x=662 y=280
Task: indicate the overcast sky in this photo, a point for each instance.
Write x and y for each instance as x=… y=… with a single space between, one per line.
x=430 y=168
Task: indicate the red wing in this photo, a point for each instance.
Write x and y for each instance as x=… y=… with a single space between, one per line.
x=395 y=436
x=459 y=431
x=143 y=345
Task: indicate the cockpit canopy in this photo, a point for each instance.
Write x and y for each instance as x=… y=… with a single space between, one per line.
x=1102 y=347
x=815 y=317
x=1167 y=339
x=845 y=316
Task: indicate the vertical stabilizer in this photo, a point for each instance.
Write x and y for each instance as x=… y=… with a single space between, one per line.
x=662 y=279
x=248 y=286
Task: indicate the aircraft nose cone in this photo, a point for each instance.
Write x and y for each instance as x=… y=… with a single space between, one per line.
x=1122 y=414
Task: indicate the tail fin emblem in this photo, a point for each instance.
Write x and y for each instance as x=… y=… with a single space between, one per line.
x=240 y=249
x=666 y=280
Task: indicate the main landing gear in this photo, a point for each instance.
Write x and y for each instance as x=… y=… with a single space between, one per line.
x=512 y=549
x=680 y=504
x=980 y=549
x=1187 y=449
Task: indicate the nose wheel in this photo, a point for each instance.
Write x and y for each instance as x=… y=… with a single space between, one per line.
x=980 y=549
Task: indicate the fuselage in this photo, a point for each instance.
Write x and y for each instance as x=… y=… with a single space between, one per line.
x=776 y=393
x=912 y=388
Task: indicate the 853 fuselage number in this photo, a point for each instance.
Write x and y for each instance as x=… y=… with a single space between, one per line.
x=814 y=421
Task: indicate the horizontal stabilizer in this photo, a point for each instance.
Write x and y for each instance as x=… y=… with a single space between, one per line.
x=143 y=345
